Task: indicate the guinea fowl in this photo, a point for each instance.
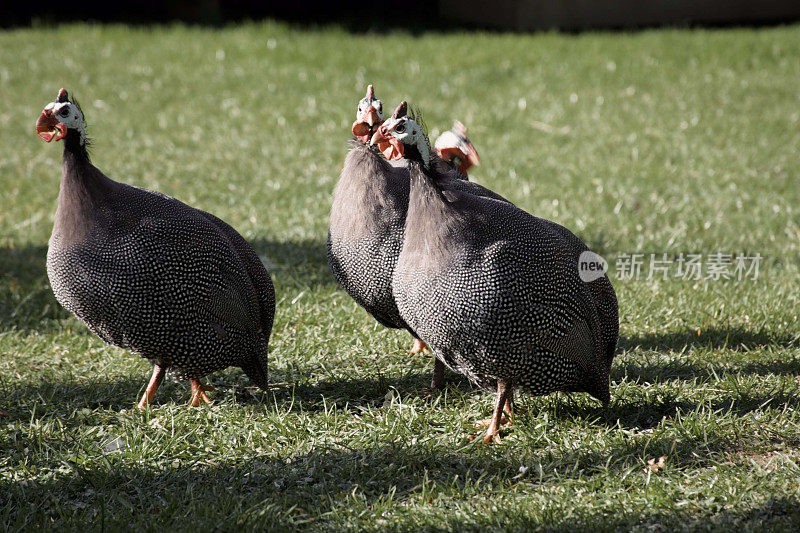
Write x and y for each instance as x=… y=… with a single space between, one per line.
x=367 y=222
x=369 y=115
x=455 y=148
x=151 y=274
x=495 y=291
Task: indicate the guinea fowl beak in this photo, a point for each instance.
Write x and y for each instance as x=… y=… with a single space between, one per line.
x=392 y=148
x=372 y=117
x=49 y=128
x=379 y=137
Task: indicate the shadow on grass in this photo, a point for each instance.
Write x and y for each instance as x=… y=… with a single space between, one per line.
x=666 y=407
x=26 y=300
x=265 y=491
x=332 y=481
x=67 y=394
x=364 y=392
x=336 y=483
x=648 y=368
x=730 y=338
x=302 y=262
x=645 y=371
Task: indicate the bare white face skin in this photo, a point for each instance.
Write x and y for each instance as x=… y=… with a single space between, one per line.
x=68 y=114
x=409 y=133
x=365 y=104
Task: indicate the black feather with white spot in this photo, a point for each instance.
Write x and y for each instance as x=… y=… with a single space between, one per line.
x=153 y=275
x=496 y=292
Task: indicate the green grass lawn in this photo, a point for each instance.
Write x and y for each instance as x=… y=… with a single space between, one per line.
x=654 y=142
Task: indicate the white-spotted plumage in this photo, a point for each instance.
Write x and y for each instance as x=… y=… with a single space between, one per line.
x=496 y=292
x=151 y=274
x=367 y=223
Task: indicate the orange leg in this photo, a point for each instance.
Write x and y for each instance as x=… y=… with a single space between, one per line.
x=504 y=393
x=199 y=392
x=419 y=347
x=152 y=387
x=508 y=409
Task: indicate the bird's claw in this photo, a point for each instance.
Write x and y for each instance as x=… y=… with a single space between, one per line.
x=489 y=437
x=199 y=393
x=487 y=422
x=493 y=437
x=419 y=347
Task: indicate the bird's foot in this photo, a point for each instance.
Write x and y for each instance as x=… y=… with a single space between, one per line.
x=144 y=402
x=492 y=436
x=487 y=422
x=493 y=425
x=492 y=432
x=419 y=347
x=199 y=393
x=511 y=412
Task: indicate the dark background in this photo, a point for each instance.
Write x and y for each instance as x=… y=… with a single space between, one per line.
x=517 y=15
x=213 y=12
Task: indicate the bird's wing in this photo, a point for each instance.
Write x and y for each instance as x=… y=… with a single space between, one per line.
x=256 y=271
x=472 y=188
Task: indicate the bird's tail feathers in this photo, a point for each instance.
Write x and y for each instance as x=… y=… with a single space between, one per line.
x=256 y=367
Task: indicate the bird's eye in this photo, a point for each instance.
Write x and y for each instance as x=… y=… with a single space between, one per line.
x=64 y=111
x=400 y=127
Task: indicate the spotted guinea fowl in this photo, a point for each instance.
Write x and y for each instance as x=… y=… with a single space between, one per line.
x=455 y=148
x=367 y=222
x=369 y=115
x=151 y=274
x=495 y=291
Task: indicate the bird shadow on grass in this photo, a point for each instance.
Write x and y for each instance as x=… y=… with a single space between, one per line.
x=303 y=262
x=353 y=393
x=319 y=487
x=26 y=300
x=649 y=368
x=666 y=407
x=67 y=394
x=729 y=338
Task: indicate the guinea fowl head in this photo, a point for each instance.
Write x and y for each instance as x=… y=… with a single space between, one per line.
x=59 y=118
x=369 y=116
x=403 y=136
x=454 y=146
